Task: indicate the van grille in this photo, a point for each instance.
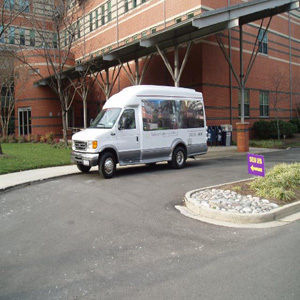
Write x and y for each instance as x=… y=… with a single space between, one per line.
x=80 y=145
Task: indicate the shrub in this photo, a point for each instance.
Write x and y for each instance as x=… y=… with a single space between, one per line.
x=268 y=130
x=21 y=139
x=49 y=137
x=296 y=122
x=263 y=129
x=12 y=139
x=35 y=138
x=280 y=182
x=43 y=139
x=287 y=129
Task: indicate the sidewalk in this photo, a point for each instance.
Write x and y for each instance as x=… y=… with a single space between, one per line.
x=26 y=177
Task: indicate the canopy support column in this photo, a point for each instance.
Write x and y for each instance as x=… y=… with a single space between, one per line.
x=177 y=72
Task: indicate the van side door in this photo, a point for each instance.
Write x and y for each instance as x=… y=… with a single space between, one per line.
x=128 y=137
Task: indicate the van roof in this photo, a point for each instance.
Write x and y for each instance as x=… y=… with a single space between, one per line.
x=128 y=96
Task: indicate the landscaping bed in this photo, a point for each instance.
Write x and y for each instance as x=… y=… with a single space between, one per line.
x=281 y=185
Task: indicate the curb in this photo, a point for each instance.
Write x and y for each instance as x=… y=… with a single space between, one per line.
x=36 y=181
x=237 y=218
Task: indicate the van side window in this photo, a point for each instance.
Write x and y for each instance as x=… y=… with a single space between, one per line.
x=172 y=114
x=127 y=120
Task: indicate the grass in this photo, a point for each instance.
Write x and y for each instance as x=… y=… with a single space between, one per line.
x=281 y=144
x=25 y=156
x=267 y=143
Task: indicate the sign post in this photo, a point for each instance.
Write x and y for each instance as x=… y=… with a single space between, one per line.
x=256 y=165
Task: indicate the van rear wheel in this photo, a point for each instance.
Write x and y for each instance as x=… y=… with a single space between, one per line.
x=107 y=165
x=83 y=169
x=178 y=158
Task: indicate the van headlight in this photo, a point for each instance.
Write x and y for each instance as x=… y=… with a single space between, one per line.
x=92 y=145
x=73 y=145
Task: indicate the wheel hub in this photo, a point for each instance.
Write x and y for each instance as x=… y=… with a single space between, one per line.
x=108 y=166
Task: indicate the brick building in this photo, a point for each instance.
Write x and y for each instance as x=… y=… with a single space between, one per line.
x=101 y=27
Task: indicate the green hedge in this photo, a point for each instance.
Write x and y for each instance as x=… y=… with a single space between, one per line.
x=296 y=122
x=268 y=129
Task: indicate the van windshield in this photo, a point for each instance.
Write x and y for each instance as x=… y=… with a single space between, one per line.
x=106 y=118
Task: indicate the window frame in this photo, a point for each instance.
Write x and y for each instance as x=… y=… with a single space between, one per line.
x=263 y=43
x=264 y=104
x=21 y=127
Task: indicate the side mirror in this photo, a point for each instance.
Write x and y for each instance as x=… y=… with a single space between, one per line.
x=91 y=121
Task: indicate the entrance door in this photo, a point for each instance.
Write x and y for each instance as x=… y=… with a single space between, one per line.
x=128 y=137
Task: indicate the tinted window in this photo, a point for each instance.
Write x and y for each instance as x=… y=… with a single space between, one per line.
x=171 y=114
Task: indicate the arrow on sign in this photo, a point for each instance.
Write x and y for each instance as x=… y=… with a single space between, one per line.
x=255 y=169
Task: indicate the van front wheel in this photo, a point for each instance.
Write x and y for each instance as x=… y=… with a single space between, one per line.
x=107 y=165
x=178 y=158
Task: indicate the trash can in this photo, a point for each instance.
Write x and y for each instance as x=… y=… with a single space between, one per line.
x=211 y=135
x=226 y=134
x=219 y=135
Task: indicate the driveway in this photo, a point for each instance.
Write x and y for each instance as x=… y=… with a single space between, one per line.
x=83 y=237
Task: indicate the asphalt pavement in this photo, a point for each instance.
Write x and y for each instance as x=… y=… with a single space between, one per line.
x=83 y=237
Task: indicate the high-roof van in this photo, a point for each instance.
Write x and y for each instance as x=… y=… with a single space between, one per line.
x=143 y=125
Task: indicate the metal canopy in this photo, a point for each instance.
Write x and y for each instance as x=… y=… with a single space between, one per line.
x=208 y=23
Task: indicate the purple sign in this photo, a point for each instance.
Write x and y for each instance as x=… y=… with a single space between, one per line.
x=256 y=165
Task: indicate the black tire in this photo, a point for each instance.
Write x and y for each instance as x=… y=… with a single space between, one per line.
x=178 y=158
x=83 y=169
x=107 y=165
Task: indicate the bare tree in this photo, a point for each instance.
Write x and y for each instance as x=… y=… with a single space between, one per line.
x=7 y=103
x=8 y=15
x=55 y=49
x=278 y=82
x=83 y=84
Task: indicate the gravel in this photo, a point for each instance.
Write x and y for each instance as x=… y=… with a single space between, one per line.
x=226 y=200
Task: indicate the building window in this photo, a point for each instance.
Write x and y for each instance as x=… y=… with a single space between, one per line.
x=24 y=5
x=264 y=103
x=78 y=29
x=65 y=38
x=22 y=36
x=2 y=35
x=246 y=102
x=32 y=37
x=24 y=120
x=11 y=35
x=143 y=1
x=134 y=2
x=102 y=15
x=126 y=8
x=54 y=40
x=91 y=22
x=9 y=4
x=263 y=41
x=97 y=16
x=108 y=11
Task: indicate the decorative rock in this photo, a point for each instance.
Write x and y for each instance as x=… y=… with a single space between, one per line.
x=226 y=200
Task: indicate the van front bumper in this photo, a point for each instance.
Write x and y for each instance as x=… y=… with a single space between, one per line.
x=86 y=159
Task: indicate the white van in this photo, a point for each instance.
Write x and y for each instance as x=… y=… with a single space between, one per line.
x=143 y=124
